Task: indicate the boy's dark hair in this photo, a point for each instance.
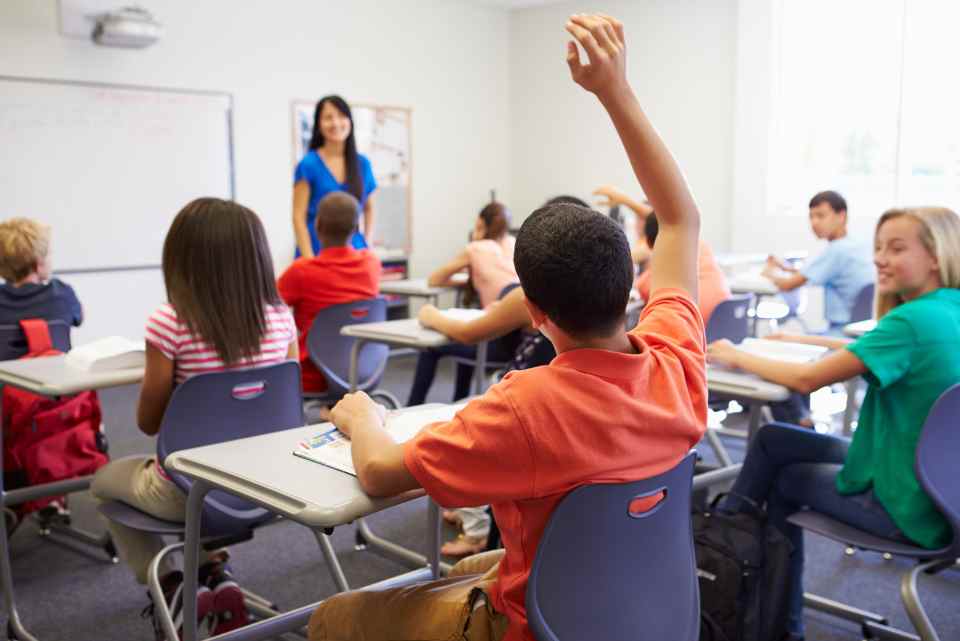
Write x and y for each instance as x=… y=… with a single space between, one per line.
x=575 y=265
x=336 y=218
x=651 y=228
x=836 y=201
x=565 y=198
x=219 y=275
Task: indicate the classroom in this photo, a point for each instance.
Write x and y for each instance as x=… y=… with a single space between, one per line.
x=479 y=319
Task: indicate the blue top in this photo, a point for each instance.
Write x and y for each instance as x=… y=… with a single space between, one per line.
x=53 y=300
x=312 y=169
x=843 y=269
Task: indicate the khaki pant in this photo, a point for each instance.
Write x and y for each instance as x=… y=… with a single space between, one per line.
x=135 y=481
x=446 y=610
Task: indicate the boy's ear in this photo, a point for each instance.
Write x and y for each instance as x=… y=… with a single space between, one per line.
x=537 y=316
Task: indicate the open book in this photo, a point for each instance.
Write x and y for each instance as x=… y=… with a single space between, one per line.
x=113 y=352
x=332 y=448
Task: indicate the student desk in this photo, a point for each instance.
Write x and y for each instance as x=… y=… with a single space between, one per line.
x=53 y=377
x=748 y=388
x=858 y=329
x=264 y=470
x=732 y=260
x=418 y=287
x=407 y=332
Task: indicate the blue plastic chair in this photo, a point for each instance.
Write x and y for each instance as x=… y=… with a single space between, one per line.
x=936 y=470
x=605 y=571
x=863 y=304
x=730 y=319
x=215 y=408
x=13 y=344
x=330 y=352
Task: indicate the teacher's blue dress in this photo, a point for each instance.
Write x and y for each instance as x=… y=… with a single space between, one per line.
x=312 y=169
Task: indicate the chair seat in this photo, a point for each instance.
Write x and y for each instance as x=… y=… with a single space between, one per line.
x=120 y=512
x=833 y=529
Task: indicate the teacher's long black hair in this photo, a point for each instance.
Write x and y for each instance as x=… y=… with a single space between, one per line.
x=352 y=162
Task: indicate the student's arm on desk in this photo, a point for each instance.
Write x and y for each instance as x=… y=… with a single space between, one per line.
x=787 y=283
x=443 y=275
x=500 y=318
x=674 y=260
x=804 y=378
x=377 y=458
x=806 y=339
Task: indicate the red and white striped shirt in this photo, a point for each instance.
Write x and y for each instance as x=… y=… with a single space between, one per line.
x=192 y=355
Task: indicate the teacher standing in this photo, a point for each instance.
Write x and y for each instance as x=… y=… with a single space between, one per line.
x=331 y=164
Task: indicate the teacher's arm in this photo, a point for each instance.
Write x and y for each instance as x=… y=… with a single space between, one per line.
x=301 y=198
x=369 y=216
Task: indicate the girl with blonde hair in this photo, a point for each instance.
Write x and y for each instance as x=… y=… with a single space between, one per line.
x=908 y=361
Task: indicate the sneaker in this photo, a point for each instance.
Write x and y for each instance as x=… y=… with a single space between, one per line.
x=172 y=586
x=229 y=606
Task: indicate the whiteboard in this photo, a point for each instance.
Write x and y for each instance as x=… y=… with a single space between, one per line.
x=383 y=135
x=109 y=166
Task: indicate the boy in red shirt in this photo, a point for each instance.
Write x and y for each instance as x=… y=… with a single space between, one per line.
x=611 y=407
x=338 y=274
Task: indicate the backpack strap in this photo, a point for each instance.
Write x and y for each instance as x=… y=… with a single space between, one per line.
x=37 y=333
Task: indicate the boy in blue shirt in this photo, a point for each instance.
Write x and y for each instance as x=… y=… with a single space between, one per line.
x=28 y=290
x=843 y=269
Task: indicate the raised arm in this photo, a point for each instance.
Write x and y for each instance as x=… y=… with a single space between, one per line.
x=614 y=196
x=674 y=261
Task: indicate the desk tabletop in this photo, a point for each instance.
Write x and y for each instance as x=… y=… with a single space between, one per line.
x=55 y=376
x=752 y=283
x=743 y=385
x=406 y=332
x=858 y=329
x=411 y=287
x=264 y=470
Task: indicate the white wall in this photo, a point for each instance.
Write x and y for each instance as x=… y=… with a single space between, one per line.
x=681 y=62
x=447 y=60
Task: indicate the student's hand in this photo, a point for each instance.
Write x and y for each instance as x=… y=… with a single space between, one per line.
x=610 y=196
x=601 y=36
x=354 y=409
x=723 y=352
x=427 y=314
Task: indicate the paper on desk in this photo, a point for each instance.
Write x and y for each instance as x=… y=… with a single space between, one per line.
x=332 y=448
x=782 y=350
x=462 y=314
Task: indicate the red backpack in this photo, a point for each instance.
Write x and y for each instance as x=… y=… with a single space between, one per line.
x=46 y=439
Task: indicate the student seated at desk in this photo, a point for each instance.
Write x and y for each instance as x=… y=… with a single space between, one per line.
x=843 y=269
x=612 y=406
x=489 y=259
x=223 y=313
x=25 y=266
x=911 y=358
x=713 y=283
x=337 y=274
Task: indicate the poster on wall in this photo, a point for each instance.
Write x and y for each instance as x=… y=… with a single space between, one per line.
x=383 y=136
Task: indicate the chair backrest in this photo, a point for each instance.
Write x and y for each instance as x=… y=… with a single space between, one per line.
x=863 y=305
x=730 y=319
x=936 y=464
x=330 y=351
x=13 y=343
x=225 y=406
x=605 y=569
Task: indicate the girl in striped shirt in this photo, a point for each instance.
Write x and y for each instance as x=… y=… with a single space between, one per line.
x=224 y=312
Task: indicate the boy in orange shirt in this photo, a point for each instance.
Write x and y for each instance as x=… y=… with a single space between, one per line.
x=612 y=406
x=338 y=274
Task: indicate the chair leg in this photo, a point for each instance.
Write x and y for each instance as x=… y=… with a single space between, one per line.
x=841 y=610
x=160 y=609
x=911 y=601
x=333 y=564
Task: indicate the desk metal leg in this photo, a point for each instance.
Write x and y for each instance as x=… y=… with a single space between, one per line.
x=191 y=558
x=433 y=537
x=480 y=369
x=396 y=552
x=756 y=415
x=718 y=448
x=354 y=360
x=851 y=386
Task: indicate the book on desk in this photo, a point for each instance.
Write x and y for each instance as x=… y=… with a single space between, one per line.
x=110 y=353
x=331 y=447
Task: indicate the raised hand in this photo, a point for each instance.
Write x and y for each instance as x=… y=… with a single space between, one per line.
x=601 y=37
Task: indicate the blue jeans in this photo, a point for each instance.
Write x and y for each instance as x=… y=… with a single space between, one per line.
x=790 y=468
x=499 y=350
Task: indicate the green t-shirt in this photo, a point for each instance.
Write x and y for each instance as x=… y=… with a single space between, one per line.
x=912 y=357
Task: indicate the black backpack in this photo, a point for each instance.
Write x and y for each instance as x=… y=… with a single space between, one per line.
x=742 y=565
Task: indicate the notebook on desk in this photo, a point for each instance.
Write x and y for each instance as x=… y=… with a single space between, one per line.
x=782 y=350
x=332 y=448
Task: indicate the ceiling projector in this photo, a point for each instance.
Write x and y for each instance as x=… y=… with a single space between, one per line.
x=128 y=27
